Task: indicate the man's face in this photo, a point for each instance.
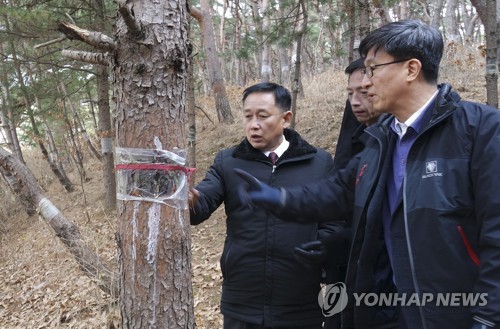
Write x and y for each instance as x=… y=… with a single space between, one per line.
x=387 y=88
x=357 y=95
x=264 y=122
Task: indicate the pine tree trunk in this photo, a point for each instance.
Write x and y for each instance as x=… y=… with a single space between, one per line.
x=265 y=69
x=213 y=63
x=105 y=130
x=491 y=54
x=154 y=243
x=297 y=83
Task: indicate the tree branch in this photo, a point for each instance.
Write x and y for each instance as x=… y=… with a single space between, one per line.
x=96 y=39
x=134 y=27
x=48 y=43
x=87 y=57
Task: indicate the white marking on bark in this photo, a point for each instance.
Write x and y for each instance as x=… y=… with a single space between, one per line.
x=47 y=209
x=106 y=145
x=154 y=213
x=157 y=143
x=135 y=232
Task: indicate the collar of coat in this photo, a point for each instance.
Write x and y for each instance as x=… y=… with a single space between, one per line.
x=445 y=103
x=298 y=147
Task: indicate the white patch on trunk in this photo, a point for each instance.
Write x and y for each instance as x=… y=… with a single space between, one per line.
x=47 y=209
x=135 y=231
x=106 y=145
x=154 y=213
x=157 y=143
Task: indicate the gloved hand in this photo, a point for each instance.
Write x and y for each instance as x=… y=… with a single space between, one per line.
x=333 y=248
x=254 y=192
x=313 y=252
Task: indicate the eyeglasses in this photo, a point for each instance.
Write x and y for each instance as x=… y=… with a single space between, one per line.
x=368 y=71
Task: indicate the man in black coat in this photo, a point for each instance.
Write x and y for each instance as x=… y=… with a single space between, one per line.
x=264 y=284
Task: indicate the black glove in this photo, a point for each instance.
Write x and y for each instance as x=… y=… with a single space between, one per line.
x=313 y=252
x=333 y=249
x=254 y=192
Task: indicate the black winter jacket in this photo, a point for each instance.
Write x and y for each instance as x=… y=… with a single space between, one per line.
x=446 y=229
x=263 y=283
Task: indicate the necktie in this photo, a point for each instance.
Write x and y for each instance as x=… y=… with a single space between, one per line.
x=273 y=157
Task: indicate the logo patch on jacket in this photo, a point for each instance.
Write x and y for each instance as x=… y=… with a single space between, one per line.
x=431 y=169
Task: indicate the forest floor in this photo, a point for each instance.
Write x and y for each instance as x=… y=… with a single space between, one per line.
x=41 y=285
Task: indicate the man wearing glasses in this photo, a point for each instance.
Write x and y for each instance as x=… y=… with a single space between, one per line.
x=423 y=195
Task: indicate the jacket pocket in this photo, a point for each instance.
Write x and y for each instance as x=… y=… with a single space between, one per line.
x=466 y=242
x=224 y=258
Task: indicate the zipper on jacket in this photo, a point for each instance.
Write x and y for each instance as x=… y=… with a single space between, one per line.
x=410 y=253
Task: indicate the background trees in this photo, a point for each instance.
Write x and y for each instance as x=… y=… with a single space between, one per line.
x=236 y=42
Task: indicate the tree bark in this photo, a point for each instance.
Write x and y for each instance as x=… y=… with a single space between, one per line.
x=191 y=115
x=6 y=120
x=302 y=22
x=213 y=63
x=154 y=243
x=265 y=69
x=491 y=54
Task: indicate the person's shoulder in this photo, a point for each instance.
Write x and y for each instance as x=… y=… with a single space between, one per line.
x=324 y=155
x=479 y=110
x=322 y=152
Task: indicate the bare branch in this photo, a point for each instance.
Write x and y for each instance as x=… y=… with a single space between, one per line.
x=96 y=39
x=70 y=18
x=48 y=43
x=134 y=27
x=87 y=57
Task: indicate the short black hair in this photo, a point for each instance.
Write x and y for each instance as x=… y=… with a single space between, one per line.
x=282 y=96
x=355 y=65
x=408 y=39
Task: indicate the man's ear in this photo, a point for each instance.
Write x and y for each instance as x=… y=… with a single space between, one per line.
x=287 y=119
x=414 y=68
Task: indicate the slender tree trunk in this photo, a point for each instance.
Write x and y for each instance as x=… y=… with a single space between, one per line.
x=265 y=69
x=78 y=122
x=364 y=13
x=154 y=243
x=237 y=43
x=33 y=197
x=105 y=128
x=491 y=54
x=92 y=108
x=302 y=22
x=382 y=12
x=55 y=159
x=450 y=20
x=213 y=63
x=436 y=17
x=73 y=146
x=7 y=119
